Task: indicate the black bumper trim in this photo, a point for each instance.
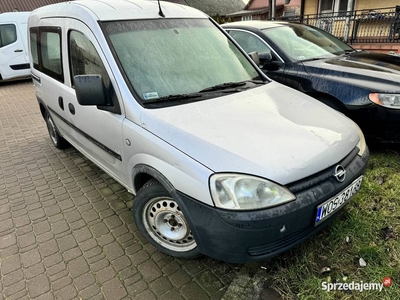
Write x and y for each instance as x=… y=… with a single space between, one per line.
x=246 y=236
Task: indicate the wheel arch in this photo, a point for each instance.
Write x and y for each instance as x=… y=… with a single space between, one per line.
x=142 y=173
x=329 y=100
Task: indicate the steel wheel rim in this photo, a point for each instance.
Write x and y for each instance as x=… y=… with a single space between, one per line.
x=52 y=130
x=167 y=225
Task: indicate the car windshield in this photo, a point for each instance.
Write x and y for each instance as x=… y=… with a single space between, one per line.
x=170 y=59
x=301 y=42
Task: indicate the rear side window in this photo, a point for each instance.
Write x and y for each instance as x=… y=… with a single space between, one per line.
x=46 y=51
x=8 y=34
x=84 y=59
x=34 y=48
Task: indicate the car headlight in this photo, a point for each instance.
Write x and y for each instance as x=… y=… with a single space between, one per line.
x=361 y=143
x=386 y=100
x=245 y=192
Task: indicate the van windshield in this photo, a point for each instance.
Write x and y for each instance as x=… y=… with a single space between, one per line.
x=173 y=59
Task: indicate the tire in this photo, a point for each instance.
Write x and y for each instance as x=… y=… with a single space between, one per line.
x=160 y=220
x=58 y=141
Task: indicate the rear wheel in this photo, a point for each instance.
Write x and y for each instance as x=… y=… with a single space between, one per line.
x=161 y=221
x=58 y=141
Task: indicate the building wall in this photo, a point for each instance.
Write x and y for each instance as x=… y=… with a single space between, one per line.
x=373 y=4
x=265 y=3
x=311 y=6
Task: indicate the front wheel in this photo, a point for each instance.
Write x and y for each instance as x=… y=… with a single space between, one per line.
x=161 y=221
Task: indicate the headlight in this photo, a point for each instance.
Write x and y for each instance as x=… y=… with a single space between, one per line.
x=361 y=143
x=239 y=192
x=387 y=100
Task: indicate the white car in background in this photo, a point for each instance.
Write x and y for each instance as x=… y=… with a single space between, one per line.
x=14 y=57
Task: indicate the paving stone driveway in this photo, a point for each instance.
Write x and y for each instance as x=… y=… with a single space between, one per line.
x=66 y=231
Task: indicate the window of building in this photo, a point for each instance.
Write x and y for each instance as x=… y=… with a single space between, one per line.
x=247 y=18
x=331 y=6
x=8 y=34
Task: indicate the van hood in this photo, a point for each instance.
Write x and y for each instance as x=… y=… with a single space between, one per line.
x=374 y=71
x=270 y=131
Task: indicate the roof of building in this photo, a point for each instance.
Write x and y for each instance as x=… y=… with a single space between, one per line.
x=24 y=5
x=220 y=7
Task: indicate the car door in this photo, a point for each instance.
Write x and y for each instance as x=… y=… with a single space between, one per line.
x=48 y=72
x=250 y=42
x=13 y=62
x=97 y=132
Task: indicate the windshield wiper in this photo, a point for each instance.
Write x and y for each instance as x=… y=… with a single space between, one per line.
x=226 y=85
x=173 y=97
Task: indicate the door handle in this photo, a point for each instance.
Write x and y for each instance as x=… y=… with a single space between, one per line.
x=71 y=108
x=18 y=50
x=61 y=102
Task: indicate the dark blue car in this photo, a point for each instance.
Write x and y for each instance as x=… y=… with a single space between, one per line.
x=363 y=85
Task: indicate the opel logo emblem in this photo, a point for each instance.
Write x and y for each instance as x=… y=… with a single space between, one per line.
x=340 y=173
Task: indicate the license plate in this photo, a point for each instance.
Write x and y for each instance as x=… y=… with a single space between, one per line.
x=327 y=209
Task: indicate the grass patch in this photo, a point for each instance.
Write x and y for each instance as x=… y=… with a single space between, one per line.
x=368 y=228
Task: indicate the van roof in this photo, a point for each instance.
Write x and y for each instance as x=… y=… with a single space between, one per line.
x=104 y=10
x=14 y=16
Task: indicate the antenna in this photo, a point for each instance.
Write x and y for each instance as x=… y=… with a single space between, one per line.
x=160 y=12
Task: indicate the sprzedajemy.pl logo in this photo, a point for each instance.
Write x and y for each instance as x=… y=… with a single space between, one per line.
x=356 y=286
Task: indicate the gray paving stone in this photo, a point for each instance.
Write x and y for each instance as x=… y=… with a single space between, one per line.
x=8 y=240
x=171 y=295
x=99 y=229
x=59 y=226
x=90 y=292
x=67 y=242
x=67 y=293
x=34 y=271
x=14 y=289
x=114 y=290
x=121 y=263
x=149 y=270
x=209 y=282
x=180 y=278
x=145 y=295
x=61 y=283
x=193 y=291
x=13 y=277
x=38 y=285
x=31 y=258
x=84 y=281
x=72 y=254
x=78 y=267
x=10 y=264
x=160 y=285
x=113 y=250
x=105 y=274
x=105 y=239
x=48 y=248
x=100 y=264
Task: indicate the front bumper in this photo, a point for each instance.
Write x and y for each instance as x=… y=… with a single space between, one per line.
x=245 y=236
x=379 y=124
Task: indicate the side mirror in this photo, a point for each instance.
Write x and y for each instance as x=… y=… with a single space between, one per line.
x=265 y=57
x=90 y=90
x=254 y=57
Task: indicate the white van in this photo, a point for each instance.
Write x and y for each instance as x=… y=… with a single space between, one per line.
x=14 y=58
x=222 y=160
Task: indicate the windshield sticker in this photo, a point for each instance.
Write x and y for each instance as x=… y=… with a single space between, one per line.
x=151 y=95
